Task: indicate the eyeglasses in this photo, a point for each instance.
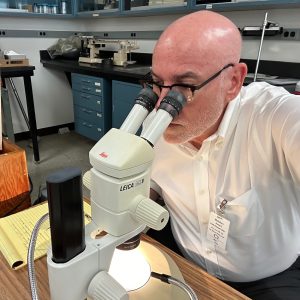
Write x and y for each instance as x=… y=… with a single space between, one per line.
x=187 y=90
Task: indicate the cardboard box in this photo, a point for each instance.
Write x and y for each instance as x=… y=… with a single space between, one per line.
x=0 y=113
x=13 y=62
x=14 y=182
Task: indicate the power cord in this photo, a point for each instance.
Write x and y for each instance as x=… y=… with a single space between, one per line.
x=30 y=256
x=172 y=280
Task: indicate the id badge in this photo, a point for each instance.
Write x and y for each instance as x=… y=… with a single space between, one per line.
x=217 y=231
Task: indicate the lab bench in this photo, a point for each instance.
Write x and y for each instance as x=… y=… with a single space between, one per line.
x=26 y=72
x=131 y=73
x=103 y=94
x=121 y=86
x=14 y=283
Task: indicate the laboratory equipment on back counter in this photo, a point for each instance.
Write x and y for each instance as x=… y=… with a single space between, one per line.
x=268 y=28
x=95 y=45
x=119 y=184
x=10 y=58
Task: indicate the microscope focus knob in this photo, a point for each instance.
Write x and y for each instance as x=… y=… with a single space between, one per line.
x=152 y=214
x=104 y=287
x=87 y=180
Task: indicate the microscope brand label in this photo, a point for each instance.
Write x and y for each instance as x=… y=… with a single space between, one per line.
x=128 y=186
x=139 y=182
x=103 y=154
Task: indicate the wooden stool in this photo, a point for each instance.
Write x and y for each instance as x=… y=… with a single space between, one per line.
x=14 y=182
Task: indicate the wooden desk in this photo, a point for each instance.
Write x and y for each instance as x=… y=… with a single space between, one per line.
x=26 y=72
x=15 y=285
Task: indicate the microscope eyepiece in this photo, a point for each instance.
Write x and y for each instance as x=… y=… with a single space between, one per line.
x=173 y=103
x=144 y=103
x=147 y=98
x=169 y=108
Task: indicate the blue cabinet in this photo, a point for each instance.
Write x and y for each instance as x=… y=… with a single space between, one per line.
x=92 y=105
x=104 y=6
x=114 y=8
x=138 y=5
x=235 y=5
x=123 y=98
x=49 y=8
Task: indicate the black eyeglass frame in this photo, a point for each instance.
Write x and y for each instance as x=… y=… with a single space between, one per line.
x=193 y=88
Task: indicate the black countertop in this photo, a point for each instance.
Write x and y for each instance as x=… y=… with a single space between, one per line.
x=7 y=72
x=132 y=73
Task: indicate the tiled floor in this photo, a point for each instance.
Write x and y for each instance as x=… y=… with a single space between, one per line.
x=57 y=151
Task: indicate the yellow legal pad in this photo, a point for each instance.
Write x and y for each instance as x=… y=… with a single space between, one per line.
x=15 y=233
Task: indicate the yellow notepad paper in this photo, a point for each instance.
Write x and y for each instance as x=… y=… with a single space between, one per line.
x=15 y=233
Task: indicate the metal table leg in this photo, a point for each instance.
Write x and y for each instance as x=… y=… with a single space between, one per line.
x=31 y=116
x=9 y=130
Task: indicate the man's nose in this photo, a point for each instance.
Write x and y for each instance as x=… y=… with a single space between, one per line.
x=163 y=93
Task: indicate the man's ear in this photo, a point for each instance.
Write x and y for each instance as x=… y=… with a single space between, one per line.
x=239 y=73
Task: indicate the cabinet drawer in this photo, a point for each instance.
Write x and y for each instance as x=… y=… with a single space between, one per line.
x=89 y=129
x=88 y=101
x=87 y=84
x=87 y=114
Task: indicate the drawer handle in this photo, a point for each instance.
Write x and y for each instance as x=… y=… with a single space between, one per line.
x=86 y=89
x=98 y=91
x=99 y=129
x=97 y=83
x=87 y=125
x=98 y=102
x=86 y=111
x=86 y=81
x=99 y=115
x=86 y=97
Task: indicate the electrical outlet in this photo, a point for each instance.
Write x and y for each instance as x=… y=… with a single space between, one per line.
x=291 y=34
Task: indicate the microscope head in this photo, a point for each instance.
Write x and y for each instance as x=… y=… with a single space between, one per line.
x=120 y=177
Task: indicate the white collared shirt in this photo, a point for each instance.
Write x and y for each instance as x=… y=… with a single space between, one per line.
x=252 y=161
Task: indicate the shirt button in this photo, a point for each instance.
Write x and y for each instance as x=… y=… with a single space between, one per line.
x=208 y=251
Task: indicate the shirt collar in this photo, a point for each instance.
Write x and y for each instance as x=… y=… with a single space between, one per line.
x=230 y=117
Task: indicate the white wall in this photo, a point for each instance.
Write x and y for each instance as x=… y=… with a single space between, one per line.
x=51 y=90
x=52 y=94
x=273 y=49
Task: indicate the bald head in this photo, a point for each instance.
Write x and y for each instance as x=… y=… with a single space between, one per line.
x=204 y=35
x=194 y=50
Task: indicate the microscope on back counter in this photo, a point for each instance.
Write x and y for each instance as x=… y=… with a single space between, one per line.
x=93 y=46
x=119 y=182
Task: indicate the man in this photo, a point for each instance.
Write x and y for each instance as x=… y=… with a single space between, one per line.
x=227 y=166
